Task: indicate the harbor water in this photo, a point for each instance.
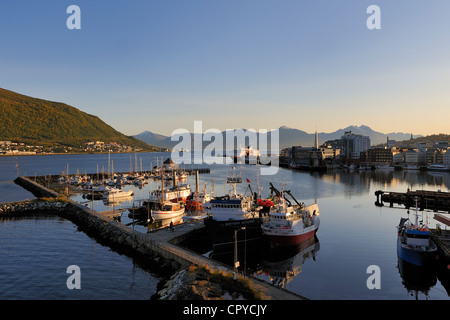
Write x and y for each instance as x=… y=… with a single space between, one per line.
x=354 y=234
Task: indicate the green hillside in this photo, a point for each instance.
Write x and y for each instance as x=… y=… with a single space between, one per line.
x=37 y=121
x=430 y=140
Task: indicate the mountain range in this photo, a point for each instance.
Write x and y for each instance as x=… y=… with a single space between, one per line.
x=37 y=121
x=290 y=137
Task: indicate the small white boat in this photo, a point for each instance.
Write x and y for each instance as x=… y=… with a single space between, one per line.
x=114 y=194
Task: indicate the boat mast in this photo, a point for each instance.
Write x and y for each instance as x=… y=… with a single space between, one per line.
x=415 y=199
x=162 y=184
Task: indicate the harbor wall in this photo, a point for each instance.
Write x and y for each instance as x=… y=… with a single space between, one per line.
x=104 y=230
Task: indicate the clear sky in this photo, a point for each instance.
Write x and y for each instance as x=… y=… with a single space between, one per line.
x=158 y=65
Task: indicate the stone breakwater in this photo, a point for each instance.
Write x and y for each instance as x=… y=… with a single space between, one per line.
x=104 y=230
x=31 y=207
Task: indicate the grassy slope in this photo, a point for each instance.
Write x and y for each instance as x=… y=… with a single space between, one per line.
x=37 y=121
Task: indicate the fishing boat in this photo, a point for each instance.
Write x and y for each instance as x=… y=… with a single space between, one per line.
x=228 y=215
x=414 y=243
x=176 y=193
x=166 y=209
x=288 y=224
x=115 y=194
x=196 y=206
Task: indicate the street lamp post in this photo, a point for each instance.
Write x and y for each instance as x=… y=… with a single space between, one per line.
x=236 y=262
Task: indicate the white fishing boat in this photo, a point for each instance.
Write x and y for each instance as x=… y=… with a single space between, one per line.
x=167 y=210
x=230 y=213
x=289 y=224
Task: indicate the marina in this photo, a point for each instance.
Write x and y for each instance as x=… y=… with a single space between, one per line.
x=323 y=267
x=159 y=242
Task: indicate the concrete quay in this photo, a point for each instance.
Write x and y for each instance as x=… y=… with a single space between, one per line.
x=158 y=248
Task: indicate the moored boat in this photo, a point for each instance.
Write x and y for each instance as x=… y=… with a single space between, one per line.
x=438 y=167
x=414 y=243
x=115 y=194
x=287 y=224
x=197 y=204
x=229 y=214
x=167 y=210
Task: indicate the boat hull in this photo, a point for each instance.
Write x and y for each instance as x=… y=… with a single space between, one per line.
x=221 y=233
x=161 y=215
x=415 y=257
x=281 y=239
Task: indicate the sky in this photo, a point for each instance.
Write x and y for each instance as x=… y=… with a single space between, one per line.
x=160 y=65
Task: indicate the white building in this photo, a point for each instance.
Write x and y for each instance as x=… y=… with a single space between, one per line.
x=353 y=144
x=447 y=158
x=415 y=156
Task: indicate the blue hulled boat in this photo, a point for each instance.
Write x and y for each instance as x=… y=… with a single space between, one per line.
x=414 y=243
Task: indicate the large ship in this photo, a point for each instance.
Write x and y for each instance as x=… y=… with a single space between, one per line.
x=230 y=216
x=290 y=224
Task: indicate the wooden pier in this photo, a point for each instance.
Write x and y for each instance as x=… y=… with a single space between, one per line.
x=426 y=200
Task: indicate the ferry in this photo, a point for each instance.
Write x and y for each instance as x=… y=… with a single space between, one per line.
x=289 y=224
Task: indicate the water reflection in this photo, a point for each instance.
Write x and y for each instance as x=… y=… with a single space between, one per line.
x=281 y=265
x=417 y=280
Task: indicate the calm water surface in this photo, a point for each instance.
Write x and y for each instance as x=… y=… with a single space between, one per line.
x=354 y=234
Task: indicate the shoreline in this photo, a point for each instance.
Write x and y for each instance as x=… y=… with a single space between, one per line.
x=74 y=153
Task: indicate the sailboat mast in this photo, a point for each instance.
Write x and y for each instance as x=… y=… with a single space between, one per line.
x=162 y=184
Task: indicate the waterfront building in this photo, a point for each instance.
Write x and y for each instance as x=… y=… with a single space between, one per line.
x=446 y=158
x=435 y=156
x=415 y=157
x=353 y=144
x=377 y=156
